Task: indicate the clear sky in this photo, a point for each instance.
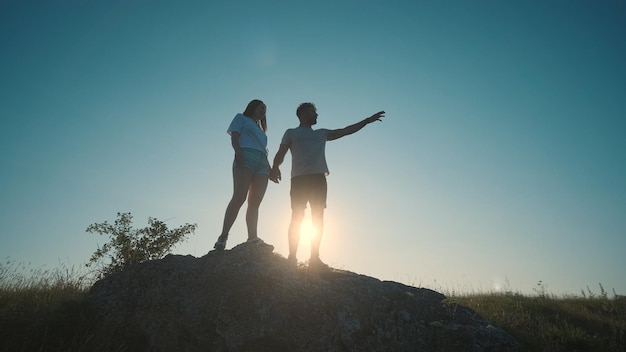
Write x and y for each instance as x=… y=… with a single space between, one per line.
x=501 y=161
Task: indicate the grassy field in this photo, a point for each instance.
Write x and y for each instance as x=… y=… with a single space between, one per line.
x=48 y=311
x=549 y=323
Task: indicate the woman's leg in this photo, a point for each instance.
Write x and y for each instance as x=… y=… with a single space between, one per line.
x=255 y=197
x=242 y=178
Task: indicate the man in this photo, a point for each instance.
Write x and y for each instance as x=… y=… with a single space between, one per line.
x=308 y=174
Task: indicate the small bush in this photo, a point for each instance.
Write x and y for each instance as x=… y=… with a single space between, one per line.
x=129 y=246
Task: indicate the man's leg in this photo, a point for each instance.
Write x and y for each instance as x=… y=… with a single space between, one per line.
x=318 y=204
x=317 y=217
x=297 y=214
x=298 y=197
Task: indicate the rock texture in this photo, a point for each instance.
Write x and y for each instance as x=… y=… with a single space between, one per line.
x=249 y=299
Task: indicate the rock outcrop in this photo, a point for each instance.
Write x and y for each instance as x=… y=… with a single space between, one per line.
x=249 y=299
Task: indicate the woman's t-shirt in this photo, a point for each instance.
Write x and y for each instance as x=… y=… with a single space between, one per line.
x=250 y=134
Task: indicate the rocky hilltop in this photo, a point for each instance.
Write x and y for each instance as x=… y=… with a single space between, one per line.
x=250 y=299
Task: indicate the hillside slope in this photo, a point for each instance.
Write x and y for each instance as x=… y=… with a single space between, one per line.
x=249 y=299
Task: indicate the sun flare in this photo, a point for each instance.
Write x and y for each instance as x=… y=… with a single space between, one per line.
x=307 y=231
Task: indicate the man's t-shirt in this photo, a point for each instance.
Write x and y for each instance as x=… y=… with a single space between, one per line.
x=308 y=150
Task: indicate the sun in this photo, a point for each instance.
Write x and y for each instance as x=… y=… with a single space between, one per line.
x=307 y=231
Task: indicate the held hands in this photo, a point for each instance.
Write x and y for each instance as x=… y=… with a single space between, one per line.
x=376 y=117
x=275 y=175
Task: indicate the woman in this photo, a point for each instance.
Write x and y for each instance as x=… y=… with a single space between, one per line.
x=250 y=170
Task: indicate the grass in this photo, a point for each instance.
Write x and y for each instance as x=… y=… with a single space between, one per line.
x=47 y=310
x=549 y=323
x=43 y=310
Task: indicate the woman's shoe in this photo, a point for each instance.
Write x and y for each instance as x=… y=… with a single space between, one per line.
x=220 y=245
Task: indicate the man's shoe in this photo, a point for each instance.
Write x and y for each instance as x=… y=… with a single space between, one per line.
x=292 y=261
x=317 y=264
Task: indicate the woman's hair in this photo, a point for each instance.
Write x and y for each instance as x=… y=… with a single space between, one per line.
x=250 y=110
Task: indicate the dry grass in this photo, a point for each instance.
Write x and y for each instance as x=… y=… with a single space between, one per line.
x=46 y=310
x=550 y=323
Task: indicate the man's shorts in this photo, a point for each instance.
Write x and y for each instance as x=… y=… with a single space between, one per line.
x=308 y=188
x=254 y=160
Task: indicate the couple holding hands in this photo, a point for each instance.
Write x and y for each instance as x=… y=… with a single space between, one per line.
x=251 y=172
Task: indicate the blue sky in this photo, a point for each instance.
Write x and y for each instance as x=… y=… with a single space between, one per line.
x=500 y=162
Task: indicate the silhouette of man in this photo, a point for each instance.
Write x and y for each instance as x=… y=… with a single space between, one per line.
x=308 y=174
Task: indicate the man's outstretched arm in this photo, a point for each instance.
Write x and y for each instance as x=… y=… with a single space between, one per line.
x=334 y=134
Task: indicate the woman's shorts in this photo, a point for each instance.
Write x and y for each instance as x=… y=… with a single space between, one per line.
x=308 y=189
x=254 y=160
